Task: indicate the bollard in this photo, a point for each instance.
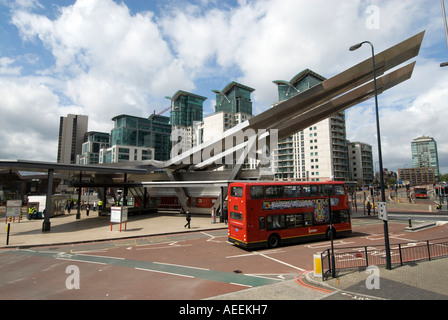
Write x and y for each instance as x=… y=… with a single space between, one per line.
x=410 y=222
x=7 y=233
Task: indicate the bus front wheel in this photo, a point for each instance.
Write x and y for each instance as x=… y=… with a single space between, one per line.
x=274 y=241
x=329 y=232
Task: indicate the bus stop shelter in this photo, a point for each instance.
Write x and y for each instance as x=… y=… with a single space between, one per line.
x=51 y=168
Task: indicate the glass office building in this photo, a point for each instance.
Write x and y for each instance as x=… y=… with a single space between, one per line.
x=424 y=154
x=150 y=133
x=234 y=99
x=186 y=109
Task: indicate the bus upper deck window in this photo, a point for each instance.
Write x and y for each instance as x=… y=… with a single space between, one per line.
x=339 y=190
x=257 y=192
x=273 y=192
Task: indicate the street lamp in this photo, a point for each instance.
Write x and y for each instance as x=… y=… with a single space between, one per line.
x=222 y=94
x=380 y=156
x=286 y=83
x=444 y=64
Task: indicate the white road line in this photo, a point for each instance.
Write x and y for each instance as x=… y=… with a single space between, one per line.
x=164 y=272
x=106 y=257
x=212 y=238
x=77 y=260
x=182 y=266
x=282 y=262
x=242 y=285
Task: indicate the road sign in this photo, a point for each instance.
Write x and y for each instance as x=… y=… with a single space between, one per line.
x=382 y=211
x=13 y=208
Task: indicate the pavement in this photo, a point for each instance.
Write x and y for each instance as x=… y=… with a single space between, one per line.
x=66 y=229
x=426 y=280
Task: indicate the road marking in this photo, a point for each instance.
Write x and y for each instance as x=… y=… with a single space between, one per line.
x=77 y=260
x=108 y=257
x=241 y=285
x=326 y=244
x=282 y=262
x=212 y=238
x=171 y=244
x=265 y=255
x=181 y=266
x=254 y=253
x=264 y=276
x=164 y=272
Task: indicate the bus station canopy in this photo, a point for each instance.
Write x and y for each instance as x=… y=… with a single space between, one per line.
x=40 y=166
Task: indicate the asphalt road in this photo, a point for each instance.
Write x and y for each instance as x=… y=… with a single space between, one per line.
x=189 y=266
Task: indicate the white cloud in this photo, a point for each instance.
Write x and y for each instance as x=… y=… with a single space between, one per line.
x=112 y=60
x=108 y=61
x=29 y=121
x=6 y=68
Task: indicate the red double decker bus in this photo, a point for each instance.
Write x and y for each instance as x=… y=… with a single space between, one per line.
x=421 y=192
x=274 y=213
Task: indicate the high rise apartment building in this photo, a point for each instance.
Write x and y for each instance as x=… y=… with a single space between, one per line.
x=424 y=154
x=93 y=143
x=71 y=137
x=360 y=160
x=317 y=153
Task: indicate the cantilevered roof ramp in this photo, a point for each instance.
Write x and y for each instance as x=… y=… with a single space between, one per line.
x=333 y=95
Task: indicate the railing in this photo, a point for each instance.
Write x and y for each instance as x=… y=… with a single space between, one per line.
x=358 y=257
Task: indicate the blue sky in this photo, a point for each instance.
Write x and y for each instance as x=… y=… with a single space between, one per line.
x=103 y=58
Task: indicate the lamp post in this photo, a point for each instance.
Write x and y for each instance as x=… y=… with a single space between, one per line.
x=380 y=156
x=444 y=64
x=330 y=213
x=286 y=83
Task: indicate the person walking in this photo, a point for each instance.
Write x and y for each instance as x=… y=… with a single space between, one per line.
x=188 y=217
x=369 y=206
x=87 y=209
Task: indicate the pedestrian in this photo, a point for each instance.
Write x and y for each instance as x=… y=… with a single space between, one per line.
x=188 y=217
x=369 y=206
x=87 y=209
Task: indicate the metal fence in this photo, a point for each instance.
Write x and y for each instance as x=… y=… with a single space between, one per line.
x=358 y=257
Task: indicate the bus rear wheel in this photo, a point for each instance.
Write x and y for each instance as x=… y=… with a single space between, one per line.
x=274 y=241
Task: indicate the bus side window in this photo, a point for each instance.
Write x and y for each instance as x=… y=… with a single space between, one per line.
x=275 y=222
x=308 y=218
x=257 y=192
x=341 y=216
x=339 y=190
x=293 y=191
x=262 y=222
x=294 y=220
x=314 y=190
x=273 y=192
x=306 y=189
x=326 y=189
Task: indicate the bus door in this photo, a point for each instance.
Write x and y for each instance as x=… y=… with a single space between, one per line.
x=261 y=228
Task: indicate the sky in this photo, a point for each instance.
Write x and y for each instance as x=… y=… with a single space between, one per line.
x=103 y=58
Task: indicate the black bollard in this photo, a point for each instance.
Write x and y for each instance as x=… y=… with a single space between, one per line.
x=7 y=233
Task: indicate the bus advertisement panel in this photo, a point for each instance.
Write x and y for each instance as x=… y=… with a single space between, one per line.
x=275 y=213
